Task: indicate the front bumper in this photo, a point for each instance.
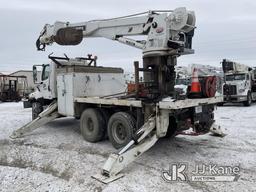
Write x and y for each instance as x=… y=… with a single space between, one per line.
x=235 y=98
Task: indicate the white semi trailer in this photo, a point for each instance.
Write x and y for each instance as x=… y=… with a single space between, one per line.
x=240 y=83
x=98 y=96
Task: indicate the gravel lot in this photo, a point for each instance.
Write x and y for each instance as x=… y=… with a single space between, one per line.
x=56 y=158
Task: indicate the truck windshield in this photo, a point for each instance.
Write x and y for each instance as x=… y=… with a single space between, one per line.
x=46 y=71
x=235 y=77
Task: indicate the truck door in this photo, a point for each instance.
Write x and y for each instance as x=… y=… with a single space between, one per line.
x=45 y=86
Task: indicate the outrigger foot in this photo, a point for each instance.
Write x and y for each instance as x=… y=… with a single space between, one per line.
x=217 y=131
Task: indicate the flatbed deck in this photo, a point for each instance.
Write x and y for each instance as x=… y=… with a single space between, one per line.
x=167 y=103
x=179 y=104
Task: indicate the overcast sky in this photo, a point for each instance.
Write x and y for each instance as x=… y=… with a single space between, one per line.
x=225 y=29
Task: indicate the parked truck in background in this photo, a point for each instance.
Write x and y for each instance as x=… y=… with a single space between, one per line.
x=12 y=87
x=239 y=83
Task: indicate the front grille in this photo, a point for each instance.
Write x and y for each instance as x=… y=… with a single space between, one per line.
x=230 y=90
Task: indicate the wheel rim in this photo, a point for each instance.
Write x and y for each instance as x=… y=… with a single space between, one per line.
x=119 y=132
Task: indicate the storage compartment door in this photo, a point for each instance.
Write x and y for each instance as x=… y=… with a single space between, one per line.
x=65 y=94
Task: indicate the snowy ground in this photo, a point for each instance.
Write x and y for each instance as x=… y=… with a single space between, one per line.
x=56 y=158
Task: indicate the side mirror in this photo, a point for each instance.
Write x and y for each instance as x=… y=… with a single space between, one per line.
x=35 y=74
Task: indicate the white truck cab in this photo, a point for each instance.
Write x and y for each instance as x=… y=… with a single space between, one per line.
x=239 y=82
x=45 y=81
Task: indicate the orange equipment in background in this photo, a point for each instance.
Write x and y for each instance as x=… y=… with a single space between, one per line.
x=195 y=90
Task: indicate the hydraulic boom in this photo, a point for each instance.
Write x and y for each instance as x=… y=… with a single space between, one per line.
x=165 y=31
x=168 y=35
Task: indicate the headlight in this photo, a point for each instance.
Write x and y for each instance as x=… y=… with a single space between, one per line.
x=241 y=90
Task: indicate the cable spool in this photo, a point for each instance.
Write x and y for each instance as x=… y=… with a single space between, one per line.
x=210 y=86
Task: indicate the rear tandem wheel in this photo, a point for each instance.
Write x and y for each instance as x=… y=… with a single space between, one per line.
x=92 y=125
x=121 y=129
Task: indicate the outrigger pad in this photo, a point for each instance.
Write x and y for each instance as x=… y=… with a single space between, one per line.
x=107 y=179
x=216 y=131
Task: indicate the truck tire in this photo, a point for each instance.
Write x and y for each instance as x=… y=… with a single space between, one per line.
x=121 y=129
x=249 y=100
x=37 y=108
x=92 y=125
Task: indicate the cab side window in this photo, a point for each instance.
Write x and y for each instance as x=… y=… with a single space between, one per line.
x=46 y=72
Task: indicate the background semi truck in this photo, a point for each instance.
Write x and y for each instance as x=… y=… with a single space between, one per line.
x=240 y=83
x=132 y=120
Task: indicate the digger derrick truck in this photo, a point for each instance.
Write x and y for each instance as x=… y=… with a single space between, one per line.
x=240 y=83
x=132 y=120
